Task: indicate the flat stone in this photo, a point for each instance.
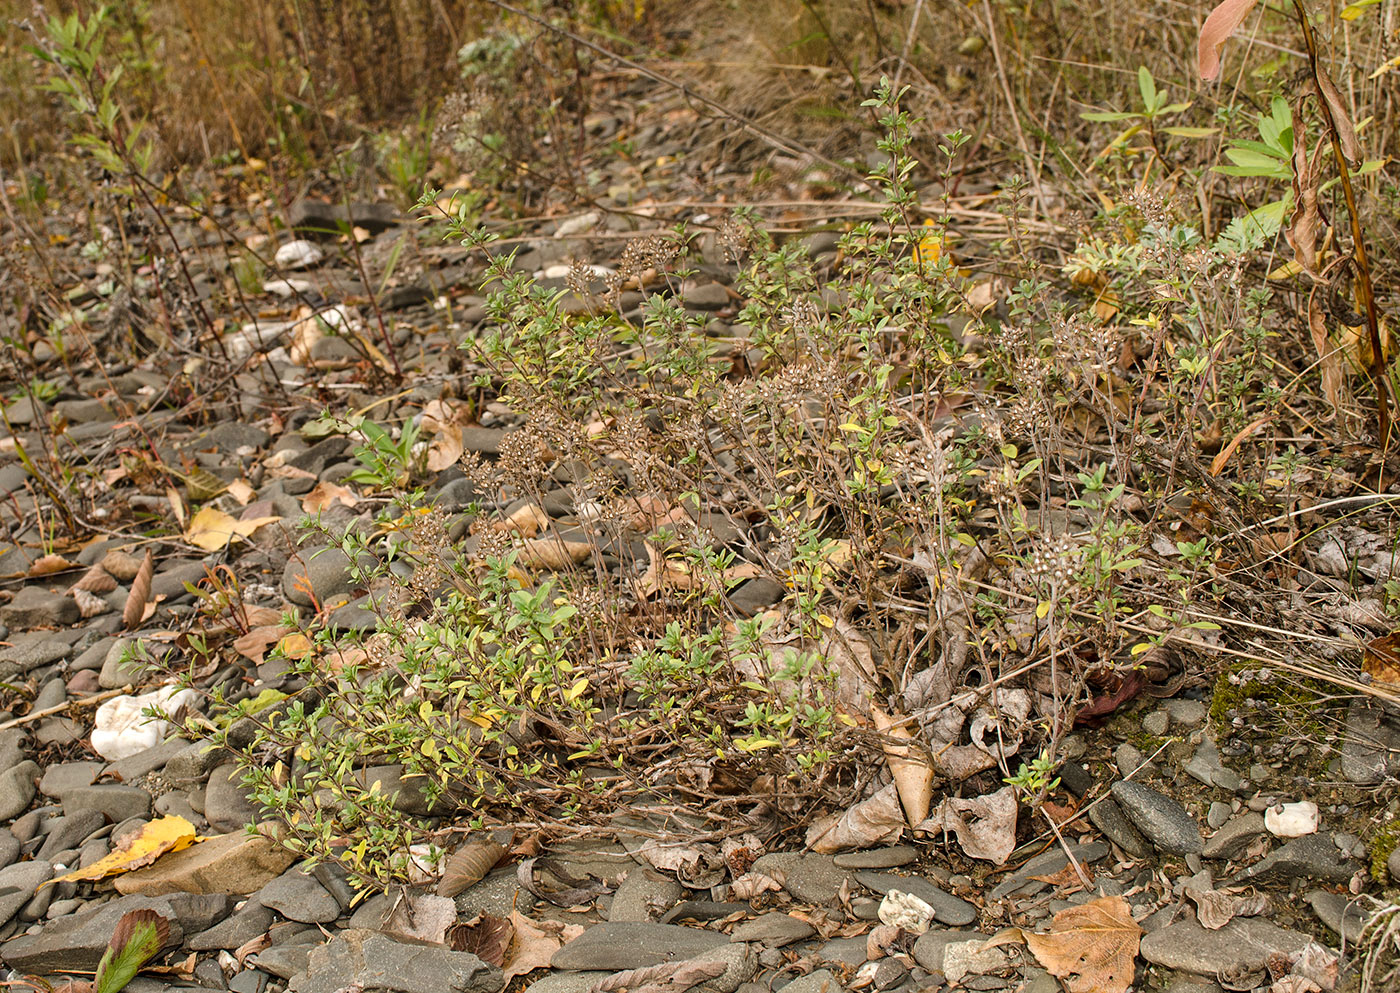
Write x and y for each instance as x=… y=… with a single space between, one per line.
x=311 y=216
x=372 y=960
x=240 y=927
x=1313 y=856
x=297 y=896
x=1244 y=942
x=644 y=896
x=153 y=758
x=1109 y=818
x=1217 y=815
x=17 y=789
x=1161 y=819
x=237 y=862
x=117 y=803
x=1206 y=766
x=407 y=792
x=9 y=848
x=774 y=930
x=226 y=804
x=566 y=982
x=1371 y=745
x=947 y=909
x=35 y=649
x=1187 y=713
x=631 y=945
x=810 y=878
x=705 y=296
x=928 y=950
x=285 y=961
x=64 y=776
x=78 y=941
x=1345 y=917
x=890 y=857
x=69 y=831
x=193 y=764
x=34 y=607
x=755 y=595
x=18 y=883
x=1234 y=837
x=1156 y=723
x=818 y=981
x=13 y=747
x=322 y=570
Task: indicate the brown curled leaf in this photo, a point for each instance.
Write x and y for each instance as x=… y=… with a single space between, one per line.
x=1341 y=118
x=469 y=865
x=1219 y=25
x=135 y=611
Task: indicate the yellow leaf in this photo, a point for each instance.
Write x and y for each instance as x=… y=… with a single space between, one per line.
x=211 y=529
x=165 y=834
x=1043 y=609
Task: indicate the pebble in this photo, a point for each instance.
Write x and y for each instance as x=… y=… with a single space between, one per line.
x=774 y=930
x=810 y=878
x=928 y=950
x=17 y=789
x=1161 y=819
x=877 y=858
x=374 y=960
x=1218 y=814
x=631 y=945
x=1312 y=856
x=1155 y=723
x=1109 y=818
x=297 y=896
x=819 y=981
x=1246 y=941
x=643 y=896
x=947 y=909
x=1234 y=837
x=1343 y=915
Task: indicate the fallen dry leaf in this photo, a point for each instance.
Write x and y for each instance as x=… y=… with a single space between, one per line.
x=485 y=936
x=469 y=864
x=211 y=529
x=913 y=775
x=47 y=565
x=753 y=884
x=254 y=645
x=1381 y=659
x=534 y=943
x=96 y=580
x=1218 y=26
x=1093 y=945
x=874 y=821
x=325 y=495
x=552 y=553
x=90 y=604
x=164 y=834
x=985 y=825
x=138 y=599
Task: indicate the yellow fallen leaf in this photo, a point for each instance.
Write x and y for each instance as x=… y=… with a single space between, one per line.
x=164 y=834
x=211 y=529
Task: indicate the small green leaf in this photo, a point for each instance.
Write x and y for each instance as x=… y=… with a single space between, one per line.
x=139 y=937
x=1147 y=86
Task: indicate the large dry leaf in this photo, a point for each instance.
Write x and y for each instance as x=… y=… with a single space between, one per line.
x=913 y=775
x=164 y=834
x=534 y=944
x=422 y=917
x=443 y=421
x=47 y=565
x=1094 y=945
x=211 y=529
x=1216 y=908
x=485 y=936
x=1341 y=118
x=664 y=977
x=1329 y=359
x=1216 y=30
x=327 y=494
x=752 y=884
x=90 y=604
x=552 y=553
x=140 y=595
x=875 y=821
x=1306 y=223
x=96 y=580
x=254 y=645
x=985 y=825
x=469 y=864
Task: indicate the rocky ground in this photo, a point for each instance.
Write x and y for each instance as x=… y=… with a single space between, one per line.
x=1177 y=804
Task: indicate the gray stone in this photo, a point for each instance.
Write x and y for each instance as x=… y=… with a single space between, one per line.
x=1245 y=942
x=170 y=581
x=740 y=962
x=843 y=951
x=705 y=296
x=1207 y=767
x=1392 y=865
x=1371 y=745
x=1161 y=819
x=566 y=982
x=226 y=804
x=756 y=595
x=1234 y=837
x=17 y=789
x=810 y=878
x=117 y=802
x=236 y=930
x=233 y=435
x=69 y=831
x=34 y=607
x=928 y=950
x=93 y=656
x=324 y=571
x=819 y=981
x=1345 y=917
x=1046 y=864
x=153 y=758
x=297 y=896
x=1109 y=818
x=9 y=848
x=1128 y=759
x=774 y=930
x=23 y=878
x=64 y=776
x=1156 y=723
x=1218 y=814
x=310 y=216
x=13 y=748
x=1312 y=856
x=891 y=857
x=77 y=942
x=631 y=945
x=408 y=794
x=190 y=766
x=1187 y=713
x=374 y=961
x=123 y=666
x=644 y=896
x=285 y=961
x=947 y=909
x=38 y=648
x=498 y=894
